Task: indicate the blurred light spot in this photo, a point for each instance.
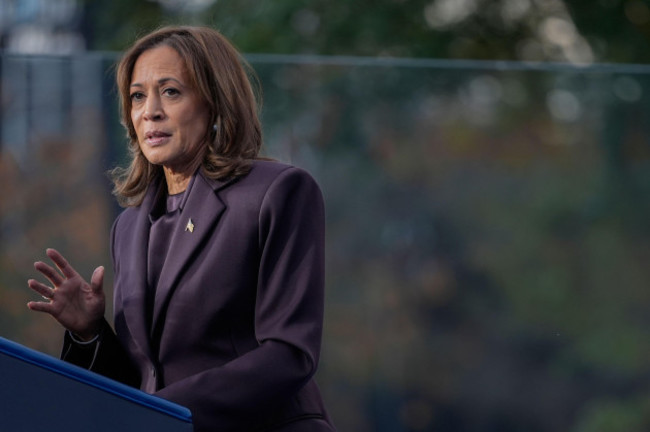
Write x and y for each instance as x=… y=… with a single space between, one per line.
x=186 y=5
x=637 y=12
x=429 y=108
x=563 y=105
x=514 y=93
x=579 y=53
x=33 y=39
x=51 y=13
x=562 y=33
x=485 y=90
x=480 y=96
x=514 y=10
x=481 y=91
x=445 y=13
x=305 y=22
x=558 y=31
x=627 y=89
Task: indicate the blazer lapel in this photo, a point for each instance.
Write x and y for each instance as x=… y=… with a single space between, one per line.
x=198 y=218
x=134 y=293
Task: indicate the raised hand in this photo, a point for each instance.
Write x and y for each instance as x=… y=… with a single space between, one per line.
x=75 y=304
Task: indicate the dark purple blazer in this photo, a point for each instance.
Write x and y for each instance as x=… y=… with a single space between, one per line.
x=236 y=325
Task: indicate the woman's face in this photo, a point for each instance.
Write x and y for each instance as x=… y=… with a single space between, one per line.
x=169 y=117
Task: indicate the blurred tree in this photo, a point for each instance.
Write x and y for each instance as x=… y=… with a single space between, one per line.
x=577 y=31
x=618 y=30
x=114 y=24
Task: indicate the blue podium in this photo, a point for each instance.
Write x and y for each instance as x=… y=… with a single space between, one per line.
x=41 y=393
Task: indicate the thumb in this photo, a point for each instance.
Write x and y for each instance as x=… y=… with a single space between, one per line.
x=97 y=279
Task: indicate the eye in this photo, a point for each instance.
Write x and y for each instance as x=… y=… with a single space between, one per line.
x=137 y=96
x=171 y=91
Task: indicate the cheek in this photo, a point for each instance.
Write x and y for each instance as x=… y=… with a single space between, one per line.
x=195 y=127
x=135 y=117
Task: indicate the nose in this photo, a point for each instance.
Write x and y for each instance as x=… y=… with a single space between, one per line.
x=153 y=109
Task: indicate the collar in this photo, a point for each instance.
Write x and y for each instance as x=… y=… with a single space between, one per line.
x=159 y=205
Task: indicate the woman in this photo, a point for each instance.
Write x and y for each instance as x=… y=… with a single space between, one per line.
x=218 y=257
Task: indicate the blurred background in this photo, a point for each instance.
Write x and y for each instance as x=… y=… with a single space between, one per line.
x=486 y=170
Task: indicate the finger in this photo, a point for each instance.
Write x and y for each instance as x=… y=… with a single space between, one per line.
x=47 y=271
x=41 y=306
x=61 y=263
x=97 y=280
x=44 y=290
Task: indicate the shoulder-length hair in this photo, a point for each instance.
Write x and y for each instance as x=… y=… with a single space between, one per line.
x=224 y=80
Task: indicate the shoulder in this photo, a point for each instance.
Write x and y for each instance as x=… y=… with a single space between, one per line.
x=270 y=166
x=270 y=184
x=269 y=175
x=270 y=170
x=125 y=216
x=287 y=186
x=278 y=173
x=290 y=200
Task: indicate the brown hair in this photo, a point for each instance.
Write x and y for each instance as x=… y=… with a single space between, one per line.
x=223 y=79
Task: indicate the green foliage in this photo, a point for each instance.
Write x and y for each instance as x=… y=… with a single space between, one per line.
x=112 y=25
x=609 y=415
x=614 y=30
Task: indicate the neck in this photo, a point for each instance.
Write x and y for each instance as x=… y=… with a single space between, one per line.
x=178 y=176
x=177 y=181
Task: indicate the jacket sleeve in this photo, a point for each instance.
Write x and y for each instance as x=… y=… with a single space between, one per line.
x=288 y=315
x=104 y=356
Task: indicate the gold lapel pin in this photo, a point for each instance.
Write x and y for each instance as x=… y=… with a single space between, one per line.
x=190 y=226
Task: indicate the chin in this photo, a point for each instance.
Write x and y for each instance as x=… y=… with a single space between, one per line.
x=155 y=158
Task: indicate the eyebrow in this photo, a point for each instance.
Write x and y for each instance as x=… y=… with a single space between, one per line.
x=160 y=82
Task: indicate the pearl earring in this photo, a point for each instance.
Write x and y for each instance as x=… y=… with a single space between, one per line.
x=215 y=127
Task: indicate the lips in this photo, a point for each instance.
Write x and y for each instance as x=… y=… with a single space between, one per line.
x=156 y=137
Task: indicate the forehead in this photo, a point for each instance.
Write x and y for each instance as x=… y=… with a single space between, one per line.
x=158 y=62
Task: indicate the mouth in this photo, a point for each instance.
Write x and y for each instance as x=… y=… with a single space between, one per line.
x=156 y=137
